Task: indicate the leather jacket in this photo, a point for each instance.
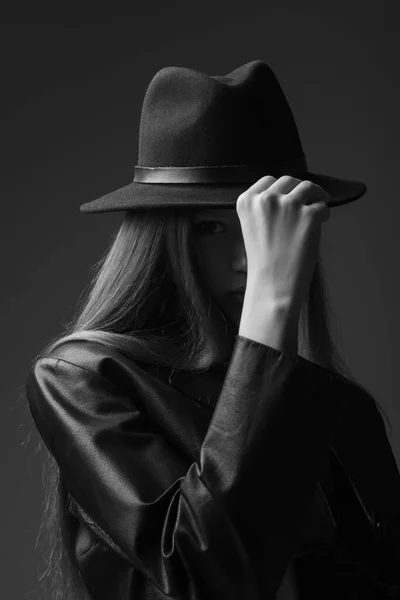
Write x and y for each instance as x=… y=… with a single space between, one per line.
x=204 y=486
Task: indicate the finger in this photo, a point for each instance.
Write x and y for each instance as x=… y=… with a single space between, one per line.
x=261 y=185
x=285 y=184
x=307 y=192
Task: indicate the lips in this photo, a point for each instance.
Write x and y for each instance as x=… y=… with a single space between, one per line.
x=238 y=295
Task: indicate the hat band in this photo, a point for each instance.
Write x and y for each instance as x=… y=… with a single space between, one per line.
x=219 y=174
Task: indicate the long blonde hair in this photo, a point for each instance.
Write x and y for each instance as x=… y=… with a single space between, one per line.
x=147 y=300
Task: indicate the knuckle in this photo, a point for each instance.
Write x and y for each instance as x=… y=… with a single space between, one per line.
x=306 y=183
x=316 y=209
x=269 y=195
x=242 y=199
x=319 y=191
x=287 y=178
x=313 y=208
x=266 y=179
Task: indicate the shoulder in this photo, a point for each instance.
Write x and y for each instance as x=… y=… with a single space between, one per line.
x=85 y=379
x=364 y=405
x=83 y=353
x=88 y=360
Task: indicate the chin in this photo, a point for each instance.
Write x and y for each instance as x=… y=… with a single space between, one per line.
x=234 y=309
x=231 y=311
x=232 y=315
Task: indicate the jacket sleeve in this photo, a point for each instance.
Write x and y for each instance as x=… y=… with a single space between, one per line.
x=375 y=473
x=224 y=527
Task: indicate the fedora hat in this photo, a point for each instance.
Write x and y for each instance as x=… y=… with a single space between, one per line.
x=205 y=139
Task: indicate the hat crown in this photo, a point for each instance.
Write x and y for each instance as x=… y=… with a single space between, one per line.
x=192 y=119
x=203 y=140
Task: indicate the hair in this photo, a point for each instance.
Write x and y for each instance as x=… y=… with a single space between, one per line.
x=148 y=300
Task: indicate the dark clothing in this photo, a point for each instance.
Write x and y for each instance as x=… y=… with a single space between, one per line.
x=204 y=487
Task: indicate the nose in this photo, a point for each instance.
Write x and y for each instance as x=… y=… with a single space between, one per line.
x=239 y=260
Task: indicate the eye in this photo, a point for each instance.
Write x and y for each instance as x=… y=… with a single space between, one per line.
x=205 y=226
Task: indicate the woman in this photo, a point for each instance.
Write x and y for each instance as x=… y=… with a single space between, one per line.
x=201 y=441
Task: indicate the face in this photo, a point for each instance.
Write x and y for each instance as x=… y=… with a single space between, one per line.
x=221 y=256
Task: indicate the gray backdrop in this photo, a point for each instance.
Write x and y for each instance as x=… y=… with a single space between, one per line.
x=71 y=101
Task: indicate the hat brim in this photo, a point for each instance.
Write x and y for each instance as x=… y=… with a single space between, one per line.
x=146 y=195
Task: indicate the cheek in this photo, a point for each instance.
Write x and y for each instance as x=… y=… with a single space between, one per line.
x=212 y=270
